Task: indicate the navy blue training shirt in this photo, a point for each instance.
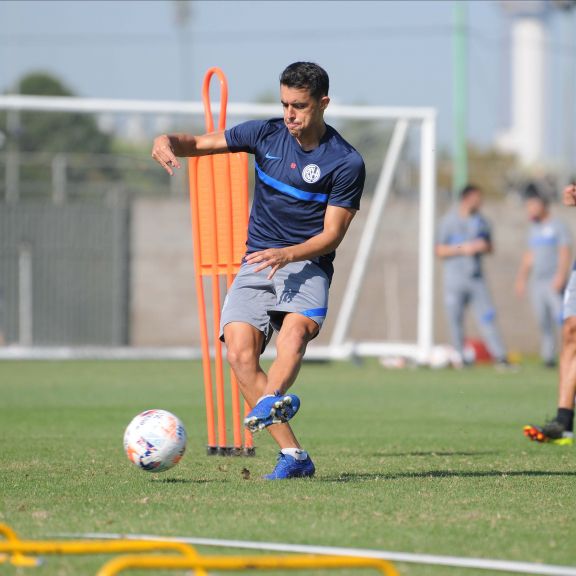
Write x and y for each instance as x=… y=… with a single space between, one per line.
x=293 y=187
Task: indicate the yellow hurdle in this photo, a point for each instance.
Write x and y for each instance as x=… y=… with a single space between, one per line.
x=23 y=553
x=17 y=551
x=17 y=558
x=239 y=563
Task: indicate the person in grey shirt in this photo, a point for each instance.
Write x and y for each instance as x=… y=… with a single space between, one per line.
x=464 y=237
x=546 y=262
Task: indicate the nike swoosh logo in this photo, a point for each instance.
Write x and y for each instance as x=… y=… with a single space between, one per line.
x=270 y=157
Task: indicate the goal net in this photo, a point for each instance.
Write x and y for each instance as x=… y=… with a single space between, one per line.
x=96 y=257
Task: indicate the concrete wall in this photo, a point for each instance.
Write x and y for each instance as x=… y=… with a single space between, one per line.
x=163 y=301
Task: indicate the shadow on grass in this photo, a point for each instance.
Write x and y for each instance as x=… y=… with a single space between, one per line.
x=433 y=453
x=188 y=481
x=364 y=477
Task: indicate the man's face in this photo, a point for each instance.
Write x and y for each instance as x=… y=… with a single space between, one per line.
x=474 y=200
x=301 y=110
x=535 y=209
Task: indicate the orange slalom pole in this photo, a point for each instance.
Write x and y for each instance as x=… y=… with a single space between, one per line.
x=229 y=224
x=223 y=99
x=220 y=205
x=248 y=438
x=219 y=365
x=235 y=392
x=206 y=361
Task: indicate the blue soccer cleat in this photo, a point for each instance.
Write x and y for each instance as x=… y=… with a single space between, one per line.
x=289 y=467
x=272 y=410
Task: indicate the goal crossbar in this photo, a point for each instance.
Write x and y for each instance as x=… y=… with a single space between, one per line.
x=96 y=105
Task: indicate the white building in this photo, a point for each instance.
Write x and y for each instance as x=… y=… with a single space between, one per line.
x=525 y=137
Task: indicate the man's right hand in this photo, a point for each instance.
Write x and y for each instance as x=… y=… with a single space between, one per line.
x=163 y=153
x=474 y=247
x=569 y=195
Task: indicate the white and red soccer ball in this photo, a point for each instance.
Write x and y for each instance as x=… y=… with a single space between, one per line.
x=155 y=440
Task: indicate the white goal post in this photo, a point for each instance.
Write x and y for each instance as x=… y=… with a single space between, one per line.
x=341 y=346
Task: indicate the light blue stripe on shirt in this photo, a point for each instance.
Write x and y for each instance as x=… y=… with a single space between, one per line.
x=290 y=190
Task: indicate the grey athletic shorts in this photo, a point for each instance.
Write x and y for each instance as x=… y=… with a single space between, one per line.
x=569 y=308
x=300 y=287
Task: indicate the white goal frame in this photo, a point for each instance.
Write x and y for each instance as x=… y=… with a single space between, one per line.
x=340 y=346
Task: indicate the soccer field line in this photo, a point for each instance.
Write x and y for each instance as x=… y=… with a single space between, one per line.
x=428 y=559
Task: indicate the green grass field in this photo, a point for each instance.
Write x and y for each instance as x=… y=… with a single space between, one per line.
x=413 y=461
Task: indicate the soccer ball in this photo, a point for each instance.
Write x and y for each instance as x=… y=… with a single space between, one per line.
x=155 y=440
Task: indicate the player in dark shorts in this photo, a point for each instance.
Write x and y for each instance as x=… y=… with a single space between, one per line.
x=560 y=430
x=308 y=185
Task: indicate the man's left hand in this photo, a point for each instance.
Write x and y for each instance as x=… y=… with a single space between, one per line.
x=275 y=258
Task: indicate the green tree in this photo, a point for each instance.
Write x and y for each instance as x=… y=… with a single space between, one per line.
x=52 y=133
x=491 y=169
x=55 y=131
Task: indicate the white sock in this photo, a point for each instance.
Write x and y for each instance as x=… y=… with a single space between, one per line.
x=295 y=453
x=265 y=396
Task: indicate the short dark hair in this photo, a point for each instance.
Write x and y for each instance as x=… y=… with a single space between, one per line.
x=533 y=192
x=306 y=75
x=469 y=189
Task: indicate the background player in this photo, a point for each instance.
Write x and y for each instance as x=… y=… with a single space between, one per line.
x=560 y=430
x=464 y=238
x=547 y=263
x=308 y=185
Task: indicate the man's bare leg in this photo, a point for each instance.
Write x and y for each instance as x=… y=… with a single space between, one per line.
x=244 y=343
x=297 y=330
x=276 y=405
x=567 y=384
x=560 y=430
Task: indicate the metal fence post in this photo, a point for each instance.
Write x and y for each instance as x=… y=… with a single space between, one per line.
x=59 y=164
x=25 y=295
x=13 y=156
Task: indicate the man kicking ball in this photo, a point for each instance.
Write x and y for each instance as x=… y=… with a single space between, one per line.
x=308 y=185
x=560 y=430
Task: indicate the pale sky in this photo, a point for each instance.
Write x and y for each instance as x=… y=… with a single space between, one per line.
x=378 y=52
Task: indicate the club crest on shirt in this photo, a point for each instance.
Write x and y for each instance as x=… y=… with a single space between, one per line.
x=311 y=173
